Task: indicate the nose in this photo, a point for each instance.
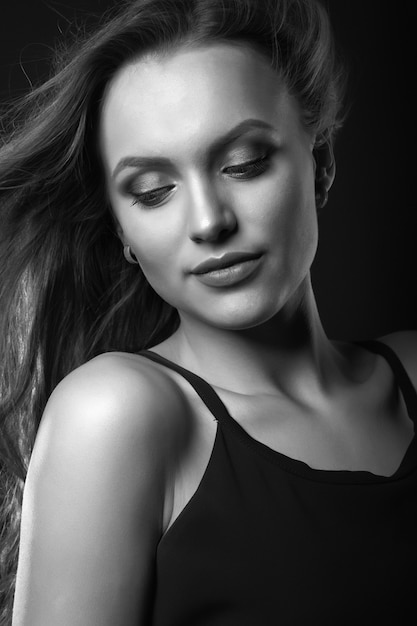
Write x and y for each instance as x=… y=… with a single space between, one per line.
x=211 y=217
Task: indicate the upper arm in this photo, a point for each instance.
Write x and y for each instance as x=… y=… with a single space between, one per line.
x=94 y=498
x=404 y=344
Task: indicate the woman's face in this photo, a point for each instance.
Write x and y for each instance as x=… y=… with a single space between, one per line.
x=206 y=160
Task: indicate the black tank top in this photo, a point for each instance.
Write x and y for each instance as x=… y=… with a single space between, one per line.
x=268 y=541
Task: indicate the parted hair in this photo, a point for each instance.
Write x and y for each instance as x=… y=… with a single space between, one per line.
x=66 y=291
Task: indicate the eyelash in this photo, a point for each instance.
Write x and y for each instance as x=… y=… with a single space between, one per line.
x=249 y=169
x=243 y=171
x=146 y=199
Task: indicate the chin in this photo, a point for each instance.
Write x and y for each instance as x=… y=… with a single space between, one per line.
x=240 y=316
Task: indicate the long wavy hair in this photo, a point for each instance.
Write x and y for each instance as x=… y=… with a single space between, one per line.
x=66 y=292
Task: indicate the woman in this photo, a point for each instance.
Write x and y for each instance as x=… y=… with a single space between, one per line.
x=160 y=204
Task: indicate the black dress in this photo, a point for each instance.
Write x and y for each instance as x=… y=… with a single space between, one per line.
x=268 y=541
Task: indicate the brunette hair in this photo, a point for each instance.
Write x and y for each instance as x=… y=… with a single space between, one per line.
x=66 y=292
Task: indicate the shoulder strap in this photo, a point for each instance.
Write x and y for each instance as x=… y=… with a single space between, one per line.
x=202 y=387
x=404 y=382
x=220 y=412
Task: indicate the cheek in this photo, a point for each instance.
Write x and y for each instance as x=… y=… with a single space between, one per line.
x=286 y=206
x=300 y=222
x=290 y=222
x=155 y=241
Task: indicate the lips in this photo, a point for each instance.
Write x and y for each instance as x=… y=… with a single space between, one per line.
x=226 y=260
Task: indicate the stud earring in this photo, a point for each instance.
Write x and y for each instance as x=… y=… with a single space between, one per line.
x=129 y=256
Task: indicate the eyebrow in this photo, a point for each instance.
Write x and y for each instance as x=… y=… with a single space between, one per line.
x=218 y=144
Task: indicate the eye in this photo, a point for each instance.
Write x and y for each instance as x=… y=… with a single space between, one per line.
x=248 y=169
x=152 y=198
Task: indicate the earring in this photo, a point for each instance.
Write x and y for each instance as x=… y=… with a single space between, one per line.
x=129 y=256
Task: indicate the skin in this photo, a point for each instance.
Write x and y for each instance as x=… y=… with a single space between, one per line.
x=278 y=345
x=210 y=212
x=124 y=442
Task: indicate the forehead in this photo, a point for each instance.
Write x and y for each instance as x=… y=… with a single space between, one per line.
x=166 y=104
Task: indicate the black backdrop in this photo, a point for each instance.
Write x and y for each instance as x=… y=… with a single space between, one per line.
x=365 y=271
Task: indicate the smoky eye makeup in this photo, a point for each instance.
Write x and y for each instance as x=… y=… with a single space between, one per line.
x=154 y=197
x=241 y=162
x=248 y=162
x=243 y=155
x=250 y=152
x=146 y=189
x=137 y=183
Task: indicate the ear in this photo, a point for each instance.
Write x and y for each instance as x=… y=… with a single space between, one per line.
x=325 y=171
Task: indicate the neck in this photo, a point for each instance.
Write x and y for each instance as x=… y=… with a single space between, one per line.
x=288 y=354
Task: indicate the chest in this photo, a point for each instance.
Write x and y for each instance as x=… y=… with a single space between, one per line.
x=352 y=435
x=364 y=432
x=257 y=538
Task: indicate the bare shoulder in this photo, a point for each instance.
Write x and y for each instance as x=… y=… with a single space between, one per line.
x=119 y=411
x=95 y=499
x=118 y=391
x=404 y=344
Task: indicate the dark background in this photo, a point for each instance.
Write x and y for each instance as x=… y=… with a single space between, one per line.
x=365 y=271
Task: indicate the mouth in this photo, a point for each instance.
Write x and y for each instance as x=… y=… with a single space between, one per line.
x=227 y=260
x=230 y=269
